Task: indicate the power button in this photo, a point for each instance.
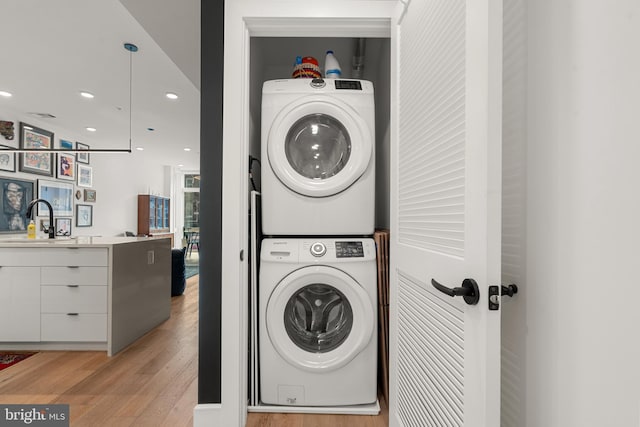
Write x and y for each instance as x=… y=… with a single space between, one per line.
x=318 y=249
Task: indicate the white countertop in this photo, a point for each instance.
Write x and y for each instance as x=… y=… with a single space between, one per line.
x=80 y=241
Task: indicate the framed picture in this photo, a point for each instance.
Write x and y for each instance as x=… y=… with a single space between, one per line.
x=85 y=176
x=84 y=215
x=63 y=226
x=7 y=160
x=67 y=145
x=44 y=225
x=59 y=194
x=89 y=195
x=82 y=157
x=66 y=167
x=36 y=138
x=16 y=194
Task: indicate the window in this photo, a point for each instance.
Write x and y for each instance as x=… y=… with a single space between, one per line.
x=191 y=201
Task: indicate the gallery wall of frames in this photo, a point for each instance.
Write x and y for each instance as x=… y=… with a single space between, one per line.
x=64 y=179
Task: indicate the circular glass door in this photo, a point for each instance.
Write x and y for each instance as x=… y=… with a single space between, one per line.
x=318 y=318
x=318 y=148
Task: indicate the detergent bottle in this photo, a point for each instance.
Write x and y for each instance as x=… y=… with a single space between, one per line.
x=331 y=66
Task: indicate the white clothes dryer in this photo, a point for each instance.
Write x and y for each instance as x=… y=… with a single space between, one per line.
x=318 y=157
x=318 y=322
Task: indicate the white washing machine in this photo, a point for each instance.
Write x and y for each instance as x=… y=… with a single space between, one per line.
x=318 y=322
x=318 y=157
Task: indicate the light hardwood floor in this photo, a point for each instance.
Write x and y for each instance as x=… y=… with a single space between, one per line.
x=314 y=420
x=153 y=382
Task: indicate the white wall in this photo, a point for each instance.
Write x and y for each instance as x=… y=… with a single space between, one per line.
x=582 y=212
x=118 y=178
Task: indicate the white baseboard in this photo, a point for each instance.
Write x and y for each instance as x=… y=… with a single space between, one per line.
x=371 y=409
x=65 y=346
x=208 y=415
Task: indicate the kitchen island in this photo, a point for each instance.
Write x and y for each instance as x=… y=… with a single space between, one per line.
x=85 y=293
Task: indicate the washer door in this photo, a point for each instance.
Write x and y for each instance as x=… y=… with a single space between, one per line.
x=319 y=148
x=318 y=318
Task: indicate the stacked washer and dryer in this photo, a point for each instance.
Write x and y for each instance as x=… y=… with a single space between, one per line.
x=318 y=280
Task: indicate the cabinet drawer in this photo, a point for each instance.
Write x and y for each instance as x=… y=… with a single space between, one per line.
x=75 y=256
x=66 y=299
x=19 y=257
x=83 y=327
x=75 y=275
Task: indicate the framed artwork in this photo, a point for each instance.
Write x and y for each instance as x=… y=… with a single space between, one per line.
x=16 y=194
x=59 y=194
x=67 y=145
x=89 y=195
x=82 y=157
x=84 y=215
x=63 y=226
x=66 y=166
x=85 y=176
x=44 y=225
x=7 y=160
x=38 y=139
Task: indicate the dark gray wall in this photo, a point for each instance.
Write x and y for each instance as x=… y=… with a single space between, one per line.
x=209 y=361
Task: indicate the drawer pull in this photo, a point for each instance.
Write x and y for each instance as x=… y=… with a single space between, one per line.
x=72 y=314
x=73 y=266
x=72 y=248
x=73 y=286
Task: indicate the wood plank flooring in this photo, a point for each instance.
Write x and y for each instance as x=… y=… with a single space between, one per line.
x=315 y=420
x=153 y=382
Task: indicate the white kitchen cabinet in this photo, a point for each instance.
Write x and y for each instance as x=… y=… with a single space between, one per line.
x=74 y=327
x=74 y=289
x=19 y=296
x=89 y=293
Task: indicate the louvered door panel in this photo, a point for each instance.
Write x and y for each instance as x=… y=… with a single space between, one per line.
x=432 y=122
x=429 y=326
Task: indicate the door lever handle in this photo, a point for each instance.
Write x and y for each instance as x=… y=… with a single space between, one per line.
x=509 y=290
x=469 y=290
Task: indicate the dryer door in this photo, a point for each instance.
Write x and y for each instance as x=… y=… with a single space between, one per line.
x=319 y=148
x=318 y=318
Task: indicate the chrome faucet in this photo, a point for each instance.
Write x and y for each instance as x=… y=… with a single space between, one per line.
x=52 y=229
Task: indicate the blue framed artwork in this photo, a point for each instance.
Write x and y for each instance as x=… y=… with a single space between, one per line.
x=58 y=194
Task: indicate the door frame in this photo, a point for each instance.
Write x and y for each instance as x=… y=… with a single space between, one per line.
x=243 y=20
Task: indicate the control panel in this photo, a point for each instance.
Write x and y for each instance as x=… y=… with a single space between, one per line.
x=349 y=250
x=348 y=84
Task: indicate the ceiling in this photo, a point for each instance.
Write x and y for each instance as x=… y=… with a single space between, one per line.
x=52 y=50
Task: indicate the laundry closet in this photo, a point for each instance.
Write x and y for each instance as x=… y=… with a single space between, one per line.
x=318 y=226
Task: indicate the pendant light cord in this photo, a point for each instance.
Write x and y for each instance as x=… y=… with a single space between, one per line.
x=132 y=48
x=130 y=96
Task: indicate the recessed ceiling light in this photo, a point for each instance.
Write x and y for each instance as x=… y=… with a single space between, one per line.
x=171 y=95
x=86 y=94
x=187 y=149
x=91 y=129
x=139 y=148
x=180 y=166
x=6 y=94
